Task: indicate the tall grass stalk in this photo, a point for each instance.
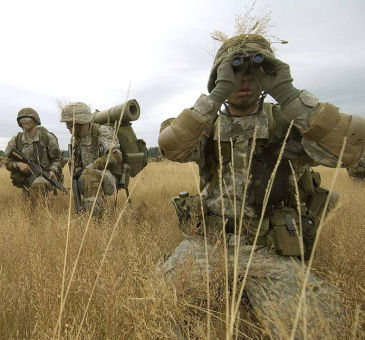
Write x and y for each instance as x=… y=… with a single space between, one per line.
x=214 y=314
x=205 y=250
x=301 y=245
x=220 y=177
x=98 y=273
x=234 y=204
x=67 y=231
x=318 y=233
x=238 y=243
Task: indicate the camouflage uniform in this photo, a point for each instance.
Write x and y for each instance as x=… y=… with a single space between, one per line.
x=221 y=143
x=90 y=153
x=42 y=148
x=357 y=170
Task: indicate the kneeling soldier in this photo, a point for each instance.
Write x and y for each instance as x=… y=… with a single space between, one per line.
x=220 y=141
x=91 y=147
x=41 y=156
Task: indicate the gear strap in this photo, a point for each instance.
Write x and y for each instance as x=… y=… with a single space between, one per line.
x=38 y=151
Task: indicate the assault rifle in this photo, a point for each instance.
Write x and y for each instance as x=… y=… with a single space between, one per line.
x=75 y=183
x=35 y=168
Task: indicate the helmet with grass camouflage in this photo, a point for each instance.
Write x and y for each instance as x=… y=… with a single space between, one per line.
x=78 y=112
x=28 y=112
x=250 y=42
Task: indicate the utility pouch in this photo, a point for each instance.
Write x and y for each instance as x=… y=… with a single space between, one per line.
x=317 y=202
x=134 y=150
x=125 y=176
x=136 y=162
x=188 y=210
x=284 y=233
x=311 y=221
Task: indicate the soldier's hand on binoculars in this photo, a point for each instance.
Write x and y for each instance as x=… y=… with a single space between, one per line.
x=23 y=167
x=274 y=77
x=228 y=77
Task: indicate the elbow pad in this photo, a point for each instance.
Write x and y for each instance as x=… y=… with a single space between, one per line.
x=324 y=124
x=328 y=127
x=180 y=135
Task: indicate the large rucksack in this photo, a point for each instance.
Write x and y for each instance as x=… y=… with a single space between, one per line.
x=134 y=150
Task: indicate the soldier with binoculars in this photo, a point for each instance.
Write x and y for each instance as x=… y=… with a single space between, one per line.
x=236 y=139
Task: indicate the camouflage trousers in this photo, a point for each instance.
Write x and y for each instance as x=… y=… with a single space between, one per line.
x=89 y=183
x=273 y=287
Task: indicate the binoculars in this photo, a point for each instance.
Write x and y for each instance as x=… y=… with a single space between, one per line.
x=255 y=58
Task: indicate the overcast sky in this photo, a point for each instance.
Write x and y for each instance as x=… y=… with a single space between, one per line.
x=91 y=50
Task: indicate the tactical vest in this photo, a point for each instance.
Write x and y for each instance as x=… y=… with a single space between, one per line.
x=263 y=162
x=281 y=210
x=39 y=147
x=20 y=179
x=134 y=150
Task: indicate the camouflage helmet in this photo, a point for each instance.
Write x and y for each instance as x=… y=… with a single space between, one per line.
x=254 y=42
x=80 y=112
x=28 y=112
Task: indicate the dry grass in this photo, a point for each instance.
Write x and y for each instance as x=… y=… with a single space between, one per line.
x=131 y=300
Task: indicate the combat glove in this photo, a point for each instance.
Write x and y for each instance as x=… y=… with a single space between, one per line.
x=275 y=79
x=228 y=78
x=100 y=162
x=114 y=159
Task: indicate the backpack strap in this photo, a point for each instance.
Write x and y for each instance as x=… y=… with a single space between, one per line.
x=18 y=141
x=44 y=135
x=95 y=137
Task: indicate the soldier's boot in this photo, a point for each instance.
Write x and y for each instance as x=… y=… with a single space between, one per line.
x=88 y=185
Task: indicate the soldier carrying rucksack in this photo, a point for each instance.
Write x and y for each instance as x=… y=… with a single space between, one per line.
x=95 y=148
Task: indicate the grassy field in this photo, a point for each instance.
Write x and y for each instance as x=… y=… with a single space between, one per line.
x=129 y=300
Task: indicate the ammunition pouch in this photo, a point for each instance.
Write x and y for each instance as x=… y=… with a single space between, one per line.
x=189 y=212
x=283 y=236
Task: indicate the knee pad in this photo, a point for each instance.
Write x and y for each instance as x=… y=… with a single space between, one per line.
x=88 y=203
x=109 y=183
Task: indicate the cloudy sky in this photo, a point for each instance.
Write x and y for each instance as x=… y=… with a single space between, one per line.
x=91 y=50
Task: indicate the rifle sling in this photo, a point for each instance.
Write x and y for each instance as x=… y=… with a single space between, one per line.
x=38 y=151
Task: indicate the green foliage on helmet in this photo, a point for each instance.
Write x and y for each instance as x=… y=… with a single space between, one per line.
x=251 y=42
x=78 y=112
x=28 y=112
